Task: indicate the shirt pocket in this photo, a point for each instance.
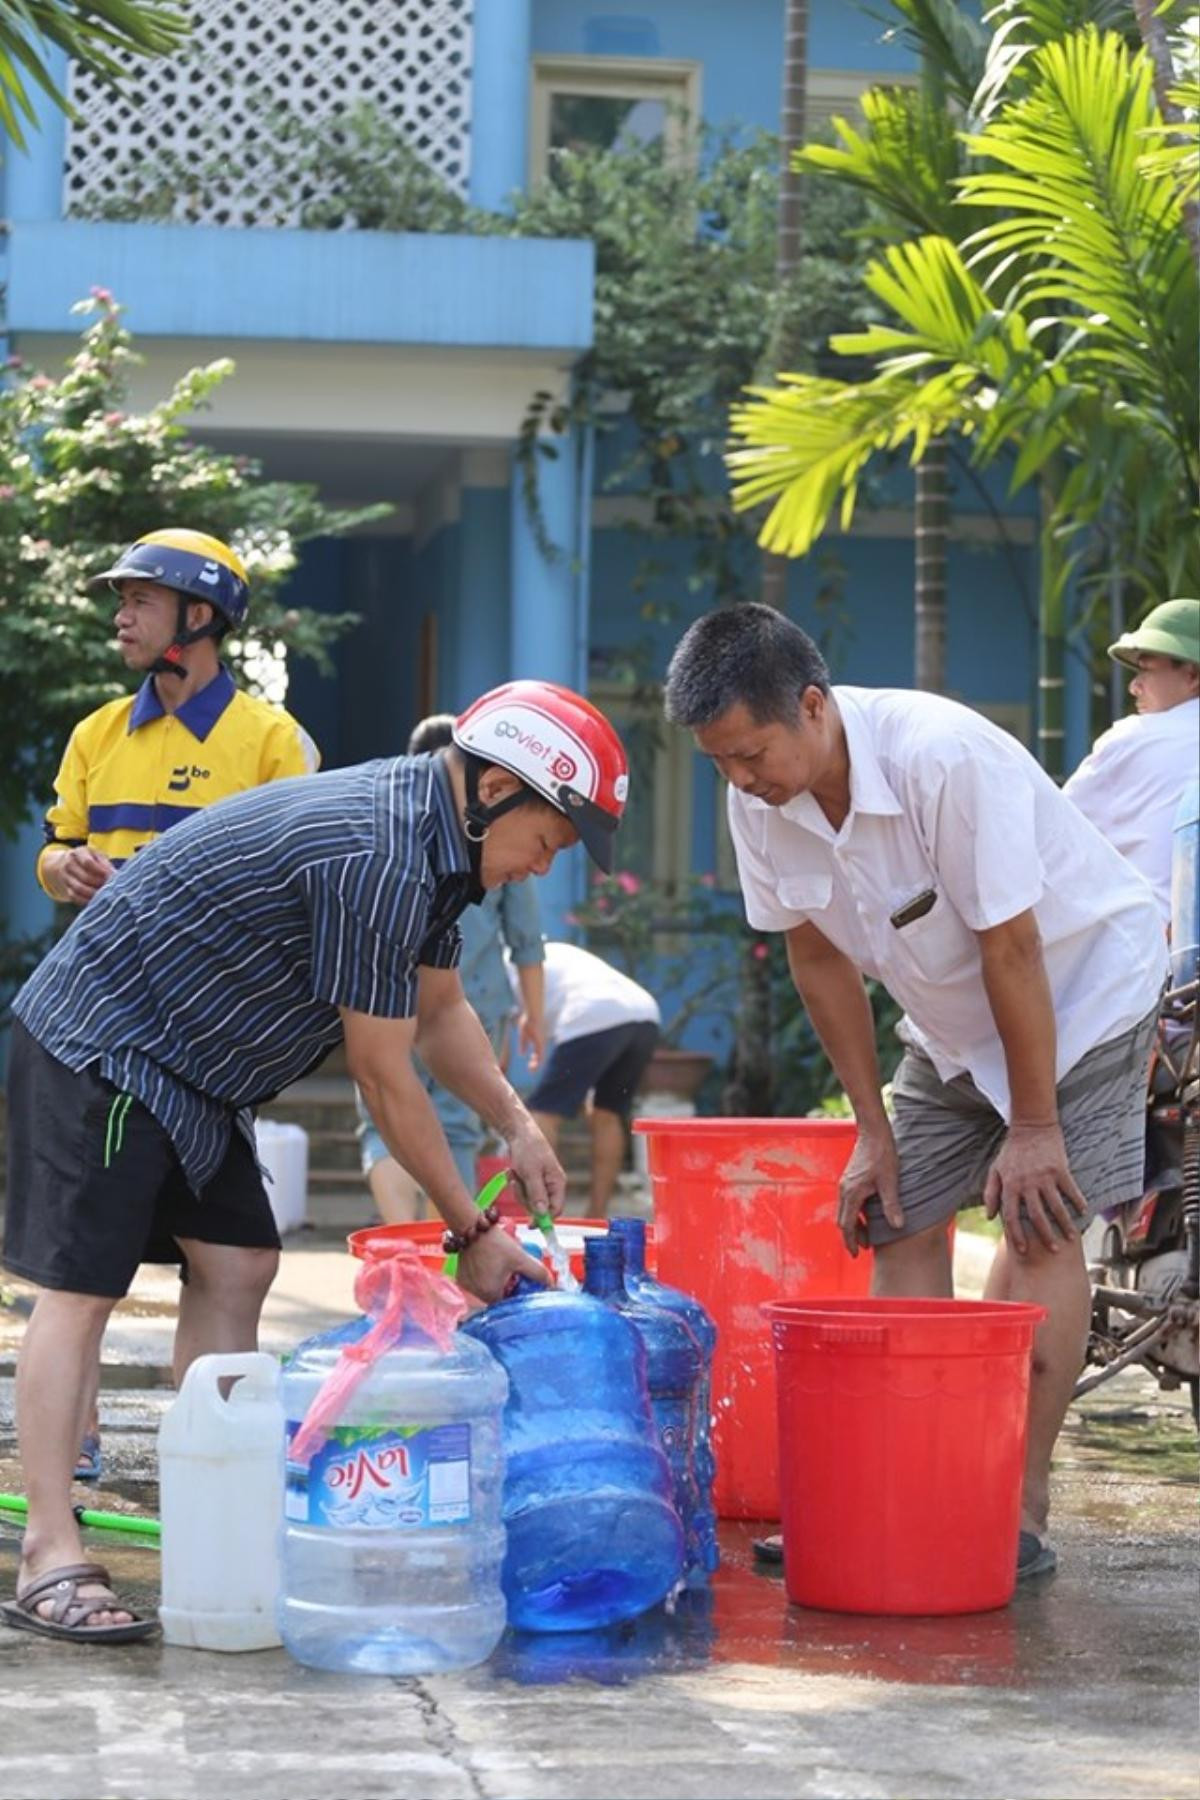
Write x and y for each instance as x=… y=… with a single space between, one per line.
x=935 y=946
x=807 y=893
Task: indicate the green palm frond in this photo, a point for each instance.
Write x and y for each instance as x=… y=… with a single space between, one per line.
x=944 y=39
x=1173 y=148
x=905 y=158
x=809 y=440
x=104 y=34
x=1082 y=231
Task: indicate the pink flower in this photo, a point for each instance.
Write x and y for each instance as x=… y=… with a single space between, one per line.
x=104 y=295
x=7 y=493
x=114 y=418
x=571 y=918
x=628 y=884
x=708 y=881
x=602 y=905
x=760 y=953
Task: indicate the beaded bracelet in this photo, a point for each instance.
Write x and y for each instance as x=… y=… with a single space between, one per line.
x=455 y=1242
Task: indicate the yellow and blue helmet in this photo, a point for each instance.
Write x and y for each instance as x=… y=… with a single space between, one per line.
x=190 y=562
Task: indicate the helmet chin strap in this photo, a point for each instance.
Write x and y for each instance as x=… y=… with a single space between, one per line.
x=478 y=820
x=171 y=661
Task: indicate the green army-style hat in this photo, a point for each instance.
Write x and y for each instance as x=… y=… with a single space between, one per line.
x=1172 y=629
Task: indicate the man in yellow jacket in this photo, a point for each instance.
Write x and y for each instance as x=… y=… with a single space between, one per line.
x=187 y=738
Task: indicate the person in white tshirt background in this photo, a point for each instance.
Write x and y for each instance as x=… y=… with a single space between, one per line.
x=1131 y=784
x=903 y=836
x=602 y=1028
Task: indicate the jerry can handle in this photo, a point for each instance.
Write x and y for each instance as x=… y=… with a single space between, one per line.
x=255 y=1375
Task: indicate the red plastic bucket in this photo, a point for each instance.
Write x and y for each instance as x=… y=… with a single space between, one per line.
x=902 y=1447
x=744 y=1211
x=427 y=1234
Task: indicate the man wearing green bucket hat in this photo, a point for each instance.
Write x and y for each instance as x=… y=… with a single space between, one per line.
x=903 y=836
x=1131 y=783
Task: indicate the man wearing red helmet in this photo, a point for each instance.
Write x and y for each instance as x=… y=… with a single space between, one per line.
x=226 y=961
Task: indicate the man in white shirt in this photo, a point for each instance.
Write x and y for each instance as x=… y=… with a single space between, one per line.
x=602 y=1028
x=903 y=836
x=1131 y=784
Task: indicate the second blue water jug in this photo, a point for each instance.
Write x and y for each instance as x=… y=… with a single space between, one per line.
x=593 y=1534
x=701 y=1526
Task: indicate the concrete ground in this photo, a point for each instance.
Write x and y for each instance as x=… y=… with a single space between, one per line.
x=1081 y=1690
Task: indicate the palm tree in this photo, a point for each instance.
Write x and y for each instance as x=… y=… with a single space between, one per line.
x=1055 y=326
x=104 y=34
x=750 y=1088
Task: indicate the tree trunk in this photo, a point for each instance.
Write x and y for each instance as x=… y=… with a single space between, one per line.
x=750 y=1090
x=1158 y=48
x=1051 y=719
x=932 y=532
x=932 y=516
x=789 y=242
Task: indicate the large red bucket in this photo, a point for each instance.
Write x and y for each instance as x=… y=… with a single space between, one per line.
x=744 y=1211
x=902 y=1448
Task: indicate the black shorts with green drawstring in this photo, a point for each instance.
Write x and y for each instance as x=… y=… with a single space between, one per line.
x=95 y=1186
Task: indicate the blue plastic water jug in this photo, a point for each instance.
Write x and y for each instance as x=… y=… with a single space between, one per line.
x=1185 y=889
x=593 y=1535
x=702 y=1552
x=393 y=1541
x=673 y=1365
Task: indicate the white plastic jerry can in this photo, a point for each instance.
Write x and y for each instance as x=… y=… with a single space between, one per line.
x=221 y=1473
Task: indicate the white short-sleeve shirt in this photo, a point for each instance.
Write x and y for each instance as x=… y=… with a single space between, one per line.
x=586 y=994
x=1131 y=785
x=945 y=804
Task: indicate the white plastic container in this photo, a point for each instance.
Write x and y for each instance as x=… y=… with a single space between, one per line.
x=221 y=1470
x=283 y=1153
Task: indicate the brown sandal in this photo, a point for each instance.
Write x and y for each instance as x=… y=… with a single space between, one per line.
x=70 y=1613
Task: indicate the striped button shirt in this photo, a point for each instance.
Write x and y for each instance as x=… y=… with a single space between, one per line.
x=207 y=975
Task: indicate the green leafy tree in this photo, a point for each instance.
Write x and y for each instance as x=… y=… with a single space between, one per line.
x=81 y=477
x=1059 y=332
x=104 y=34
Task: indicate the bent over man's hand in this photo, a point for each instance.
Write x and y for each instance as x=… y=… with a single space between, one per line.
x=538 y=1169
x=873 y=1170
x=1031 y=1175
x=490 y=1264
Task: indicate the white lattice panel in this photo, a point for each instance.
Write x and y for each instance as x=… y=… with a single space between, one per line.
x=411 y=59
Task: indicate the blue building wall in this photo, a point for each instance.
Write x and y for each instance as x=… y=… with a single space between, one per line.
x=738 y=46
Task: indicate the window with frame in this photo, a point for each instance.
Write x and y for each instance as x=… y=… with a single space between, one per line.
x=592 y=102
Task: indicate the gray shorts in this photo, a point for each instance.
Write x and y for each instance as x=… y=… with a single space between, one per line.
x=948 y=1134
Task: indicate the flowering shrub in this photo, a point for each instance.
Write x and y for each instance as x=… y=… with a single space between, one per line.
x=679 y=940
x=81 y=476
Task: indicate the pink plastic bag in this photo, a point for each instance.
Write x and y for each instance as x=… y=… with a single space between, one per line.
x=395 y=1288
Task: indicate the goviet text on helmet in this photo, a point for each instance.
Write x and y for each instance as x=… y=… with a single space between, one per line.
x=561 y=747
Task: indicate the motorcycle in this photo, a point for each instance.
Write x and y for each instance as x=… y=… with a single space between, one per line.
x=1146 y=1279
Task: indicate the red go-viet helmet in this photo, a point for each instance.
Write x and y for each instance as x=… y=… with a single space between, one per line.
x=561 y=747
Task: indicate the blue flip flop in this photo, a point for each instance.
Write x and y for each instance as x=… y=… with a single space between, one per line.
x=1034 y=1556
x=90 y=1465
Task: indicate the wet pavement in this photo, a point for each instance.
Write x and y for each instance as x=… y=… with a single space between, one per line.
x=1083 y=1687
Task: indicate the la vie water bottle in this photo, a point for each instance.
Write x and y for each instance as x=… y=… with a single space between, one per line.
x=393 y=1540
x=593 y=1534
x=220 y=1458
x=703 y=1555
